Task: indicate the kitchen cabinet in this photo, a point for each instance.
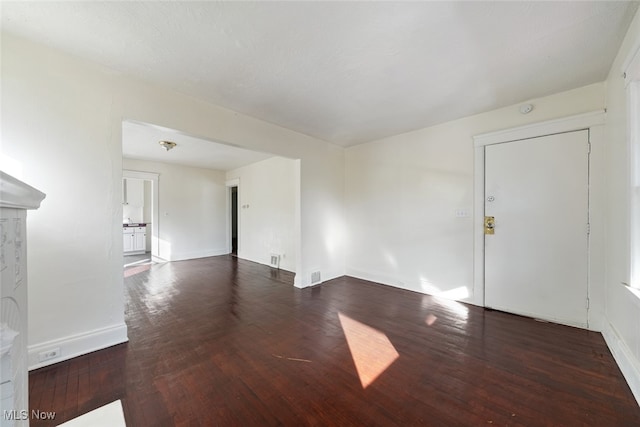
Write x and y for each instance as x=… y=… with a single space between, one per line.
x=134 y=240
x=140 y=239
x=128 y=236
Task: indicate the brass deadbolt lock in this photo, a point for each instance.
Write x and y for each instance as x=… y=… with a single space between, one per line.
x=489 y=225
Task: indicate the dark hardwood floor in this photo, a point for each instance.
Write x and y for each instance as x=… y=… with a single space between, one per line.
x=226 y=342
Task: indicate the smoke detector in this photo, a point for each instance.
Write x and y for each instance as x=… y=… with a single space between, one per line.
x=526 y=108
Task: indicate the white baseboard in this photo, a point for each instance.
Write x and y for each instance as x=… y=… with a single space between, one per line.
x=628 y=364
x=377 y=278
x=264 y=262
x=183 y=256
x=410 y=285
x=302 y=281
x=77 y=345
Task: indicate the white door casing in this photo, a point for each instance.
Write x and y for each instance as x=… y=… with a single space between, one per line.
x=592 y=121
x=536 y=263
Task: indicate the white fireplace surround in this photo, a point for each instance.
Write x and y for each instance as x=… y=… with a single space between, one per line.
x=16 y=198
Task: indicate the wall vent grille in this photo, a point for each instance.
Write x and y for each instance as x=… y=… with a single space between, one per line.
x=315 y=277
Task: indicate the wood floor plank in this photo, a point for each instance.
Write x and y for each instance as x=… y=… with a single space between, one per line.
x=222 y=341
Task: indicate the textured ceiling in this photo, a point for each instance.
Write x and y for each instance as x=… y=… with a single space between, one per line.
x=140 y=141
x=345 y=72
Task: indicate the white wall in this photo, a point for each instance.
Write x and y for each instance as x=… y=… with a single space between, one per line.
x=267 y=210
x=62 y=119
x=57 y=121
x=192 y=205
x=622 y=307
x=402 y=194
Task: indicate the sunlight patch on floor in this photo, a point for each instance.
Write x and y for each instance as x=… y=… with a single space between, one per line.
x=431 y=319
x=132 y=271
x=371 y=350
x=460 y=292
x=139 y=262
x=460 y=310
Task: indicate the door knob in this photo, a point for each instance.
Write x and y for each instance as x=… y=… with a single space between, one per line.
x=489 y=225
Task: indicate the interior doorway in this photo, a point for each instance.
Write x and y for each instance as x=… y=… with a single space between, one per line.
x=233 y=216
x=234 y=221
x=140 y=216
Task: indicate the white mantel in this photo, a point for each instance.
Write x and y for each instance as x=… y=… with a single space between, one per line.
x=16 y=194
x=16 y=198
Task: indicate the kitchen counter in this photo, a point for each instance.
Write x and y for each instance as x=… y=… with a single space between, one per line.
x=136 y=224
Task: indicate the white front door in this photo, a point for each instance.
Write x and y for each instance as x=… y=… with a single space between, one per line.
x=536 y=263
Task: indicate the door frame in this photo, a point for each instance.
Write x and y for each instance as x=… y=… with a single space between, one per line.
x=594 y=123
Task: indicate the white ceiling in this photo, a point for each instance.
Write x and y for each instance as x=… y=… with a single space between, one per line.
x=140 y=141
x=345 y=72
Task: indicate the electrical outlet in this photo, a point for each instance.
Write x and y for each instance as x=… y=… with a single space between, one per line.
x=49 y=354
x=275 y=261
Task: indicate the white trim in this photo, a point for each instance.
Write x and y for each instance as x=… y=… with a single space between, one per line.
x=597 y=246
x=635 y=294
x=377 y=277
x=263 y=262
x=183 y=256
x=550 y=127
x=15 y=194
x=404 y=282
x=477 y=293
x=297 y=225
x=302 y=281
x=558 y=320
x=79 y=344
x=149 y=176
x=232 y=182
x=623 y=356
x=155 y=210
x=633 y=147
x=592 y=121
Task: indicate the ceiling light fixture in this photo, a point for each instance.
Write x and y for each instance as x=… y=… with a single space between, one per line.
x=168 y=145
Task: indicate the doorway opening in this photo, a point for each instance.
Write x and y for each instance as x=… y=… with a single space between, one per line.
x=234 y=220
x=139 y=217
x=202 y=214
